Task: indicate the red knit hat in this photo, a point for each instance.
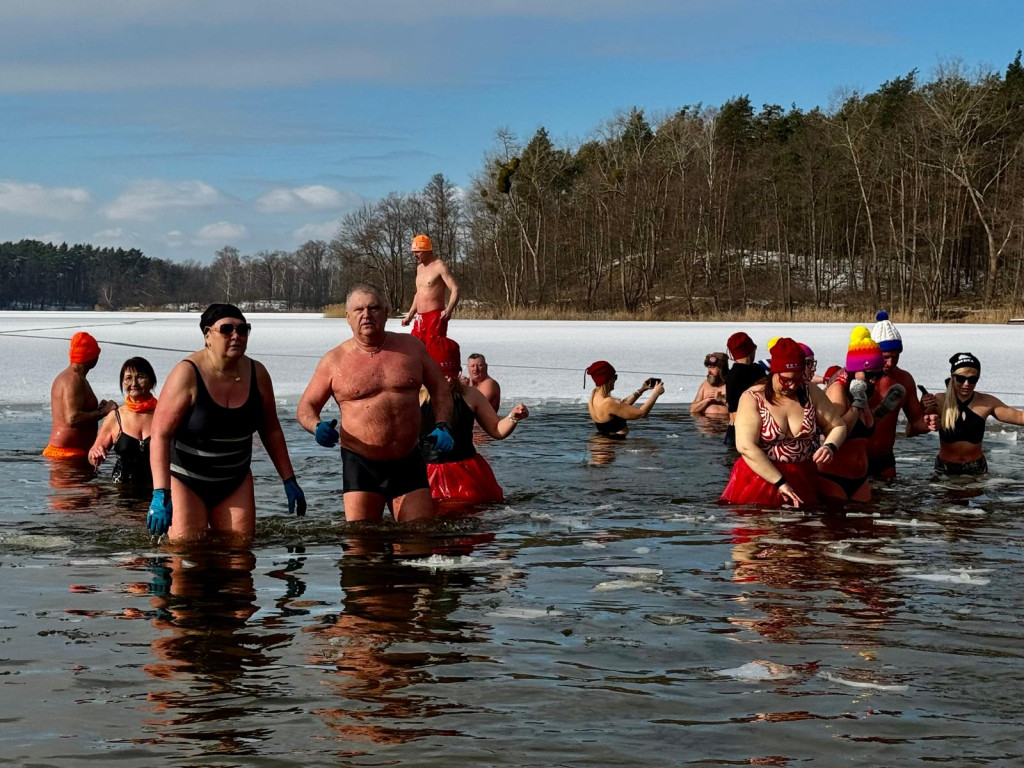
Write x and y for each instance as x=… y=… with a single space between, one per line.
x=445 y=352
x=787 y=356
x=601 y=372
x=740 y=345
x=84 y=348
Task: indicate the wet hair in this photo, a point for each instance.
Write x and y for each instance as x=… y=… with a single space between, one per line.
x=769 y=391
x=139 y=365
x=216 y=312
x=371 y=289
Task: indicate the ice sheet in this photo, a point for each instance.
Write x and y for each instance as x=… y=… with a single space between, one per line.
x=534 y=361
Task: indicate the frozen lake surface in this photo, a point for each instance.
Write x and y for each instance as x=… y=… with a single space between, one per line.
x=535 y=361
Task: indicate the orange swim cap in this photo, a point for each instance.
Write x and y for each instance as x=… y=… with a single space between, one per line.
x=421 y=243
x=83 y=348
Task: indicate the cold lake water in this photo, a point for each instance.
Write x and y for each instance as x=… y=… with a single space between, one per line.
x=609 y=612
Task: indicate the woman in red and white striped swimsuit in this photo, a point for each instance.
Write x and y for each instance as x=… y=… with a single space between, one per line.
x=776 y=434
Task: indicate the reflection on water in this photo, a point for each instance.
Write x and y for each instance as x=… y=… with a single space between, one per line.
x=610 y=610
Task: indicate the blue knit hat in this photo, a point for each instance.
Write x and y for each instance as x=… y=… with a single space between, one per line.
x=885 y=334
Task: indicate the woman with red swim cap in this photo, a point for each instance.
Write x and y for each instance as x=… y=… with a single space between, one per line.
x=461 y=474
x=610 y=414
x=777 y=425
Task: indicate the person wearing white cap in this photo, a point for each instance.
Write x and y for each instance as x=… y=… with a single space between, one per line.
x=896 y=391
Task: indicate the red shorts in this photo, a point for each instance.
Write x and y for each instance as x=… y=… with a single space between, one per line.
x=430 y=325
x=745 y=486
x=470 y=481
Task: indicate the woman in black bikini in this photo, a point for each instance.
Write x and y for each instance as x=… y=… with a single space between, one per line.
x=610 y=414
x=127 y=429
x=961 y=415
x=210 y=406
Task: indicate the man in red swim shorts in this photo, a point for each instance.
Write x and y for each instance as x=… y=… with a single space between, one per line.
x=428 y=305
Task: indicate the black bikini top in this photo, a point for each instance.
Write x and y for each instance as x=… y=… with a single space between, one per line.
x=970 y=427
x=612 y=426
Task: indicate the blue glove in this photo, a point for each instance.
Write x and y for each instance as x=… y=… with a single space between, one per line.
x=296 y=498
x=442 y=438
x=159 y=518
x=326 y=435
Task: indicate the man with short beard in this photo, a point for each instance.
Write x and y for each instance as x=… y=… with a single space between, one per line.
x=710 y=399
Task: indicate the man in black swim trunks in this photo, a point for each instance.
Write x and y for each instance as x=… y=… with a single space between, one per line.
x=375 y=378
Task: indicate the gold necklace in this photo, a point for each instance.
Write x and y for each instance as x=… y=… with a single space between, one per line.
x=371 y=351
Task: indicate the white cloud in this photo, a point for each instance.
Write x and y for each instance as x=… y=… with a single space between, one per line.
x=55 y=238
x=325 y=231
x=312 y=198
x=35 y=200
x=146 y=200
x=221 y=232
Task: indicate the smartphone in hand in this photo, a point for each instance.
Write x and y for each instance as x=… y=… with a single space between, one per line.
x=652 y=383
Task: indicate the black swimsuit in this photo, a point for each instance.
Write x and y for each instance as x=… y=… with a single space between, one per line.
x=612 y=427
x=463 y=420
x=212 y=447
x=132 y=466
x=969 y=428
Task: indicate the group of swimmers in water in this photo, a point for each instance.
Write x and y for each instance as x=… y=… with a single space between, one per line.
x=407 y=423
x=809 y=439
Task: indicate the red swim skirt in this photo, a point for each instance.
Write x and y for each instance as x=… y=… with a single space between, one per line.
x=470 y=481
x=430 y=325
x=745 y=486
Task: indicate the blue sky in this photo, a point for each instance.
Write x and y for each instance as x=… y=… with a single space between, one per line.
x=180 y=127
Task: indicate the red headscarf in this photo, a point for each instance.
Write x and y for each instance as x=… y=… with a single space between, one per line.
x=787 y=356
x=84 y=348
x=601 y=372
x=445 y=352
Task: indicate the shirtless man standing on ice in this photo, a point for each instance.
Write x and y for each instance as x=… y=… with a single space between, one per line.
x=75 y=410
x=375 y=378
x=428 y=306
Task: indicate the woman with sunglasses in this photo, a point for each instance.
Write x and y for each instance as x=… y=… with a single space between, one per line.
x=777 y=426
x=210 y=406
x=849 y=390
x=610 y=414
x=961 y=415
x=127 y=429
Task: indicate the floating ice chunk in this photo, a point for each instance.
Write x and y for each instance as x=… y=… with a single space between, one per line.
x=912 y=523
x=34 y=541
x=769 y=542
x=445 y=563
x=833 y=678
x=956 y=577
x=642 y=550
x=666 y=619
x=867 y=559
x=638 y=574
x=966 y=511
x=510 y=612
x=611 y=586
x=594 y=545
x=760 y=670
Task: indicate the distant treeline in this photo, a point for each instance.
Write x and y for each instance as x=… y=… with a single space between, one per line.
x=909 y=198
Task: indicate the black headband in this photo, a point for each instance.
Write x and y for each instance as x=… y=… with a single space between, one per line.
x=216 y=312
x=964 y=360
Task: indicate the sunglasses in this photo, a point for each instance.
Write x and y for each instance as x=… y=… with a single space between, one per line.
x=873 y=375
x=972 y=380
x=228 y=328
x=793 y=381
